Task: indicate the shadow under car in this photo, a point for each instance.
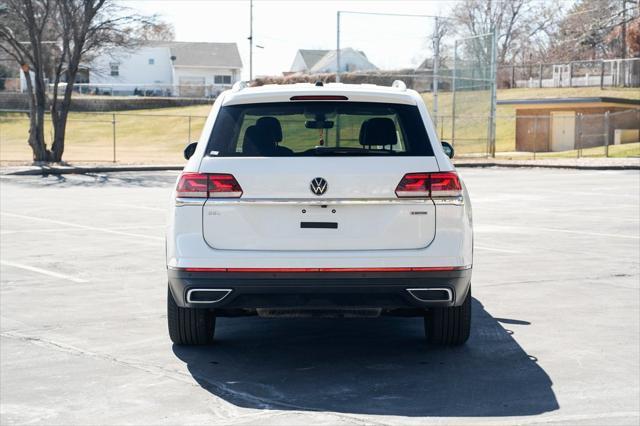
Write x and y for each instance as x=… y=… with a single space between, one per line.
x=379 y=366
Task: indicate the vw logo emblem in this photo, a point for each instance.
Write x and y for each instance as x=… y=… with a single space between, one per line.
x=318 y=186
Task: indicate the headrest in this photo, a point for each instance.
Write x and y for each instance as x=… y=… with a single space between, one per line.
x=272 y=125
x=257 y=142
x=378 y=131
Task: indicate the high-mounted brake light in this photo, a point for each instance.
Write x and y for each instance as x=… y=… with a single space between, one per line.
x=319 y=98
x=204 y=185
x=434 y=185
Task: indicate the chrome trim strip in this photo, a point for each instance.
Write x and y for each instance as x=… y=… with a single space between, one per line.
x=318 y=202
x=449 y=201
x=227 y=290
x=190 y=202
x=455 y=201
x=448 y=290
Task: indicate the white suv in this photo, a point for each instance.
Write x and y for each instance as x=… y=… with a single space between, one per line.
x=319 y=200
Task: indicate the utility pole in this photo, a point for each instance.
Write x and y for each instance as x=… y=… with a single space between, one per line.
x=338 y=49
x=250 y=40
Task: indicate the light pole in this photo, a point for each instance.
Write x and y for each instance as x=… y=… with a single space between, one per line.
x=250 y=40
x=338 y=50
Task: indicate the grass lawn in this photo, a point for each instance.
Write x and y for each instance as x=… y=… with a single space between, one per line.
x=159 y=135
x=144 y=136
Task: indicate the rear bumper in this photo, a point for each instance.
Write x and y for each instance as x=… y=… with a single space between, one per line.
x=318 y=290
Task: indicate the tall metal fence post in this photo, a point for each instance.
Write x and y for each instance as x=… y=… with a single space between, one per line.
x=453 y=95
x=494 y=77
x=601 y=75
x=113 y=126
x=436 y=69
x=606 y=134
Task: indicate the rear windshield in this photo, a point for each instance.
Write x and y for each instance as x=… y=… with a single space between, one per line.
x=319 y=128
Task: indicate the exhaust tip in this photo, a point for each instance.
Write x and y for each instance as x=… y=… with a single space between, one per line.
x=431 y=294
x=207 y=295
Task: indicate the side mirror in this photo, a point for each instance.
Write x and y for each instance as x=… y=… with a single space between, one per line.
x=448 y=149
x=189 y=150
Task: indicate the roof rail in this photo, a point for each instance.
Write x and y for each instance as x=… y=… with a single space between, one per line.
x=399 y=84
x=238 y=86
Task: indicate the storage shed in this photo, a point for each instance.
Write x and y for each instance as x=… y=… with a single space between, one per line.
x=563 y=124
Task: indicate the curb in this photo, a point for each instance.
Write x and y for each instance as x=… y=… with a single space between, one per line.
x=44 y=171
x=551 y=166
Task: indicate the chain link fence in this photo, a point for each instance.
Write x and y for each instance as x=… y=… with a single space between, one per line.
x=148 y=138
x=132 y=138
x=561 y=134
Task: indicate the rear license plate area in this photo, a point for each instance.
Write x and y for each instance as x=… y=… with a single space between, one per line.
x=319 y=225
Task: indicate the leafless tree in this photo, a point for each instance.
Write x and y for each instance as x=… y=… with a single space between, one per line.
x=24 y=27
x=161 y=31
x=50 y=39
x=596 y=29
x=519 y=24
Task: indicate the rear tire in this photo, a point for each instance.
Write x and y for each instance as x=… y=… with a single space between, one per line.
x=189 y=326
x=449 y=326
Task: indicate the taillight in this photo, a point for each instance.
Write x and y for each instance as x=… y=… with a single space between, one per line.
x=224 y=185
x=445 y=184
x=202 y=185
x=413 y=185
x=423 y=185
x=192 y=185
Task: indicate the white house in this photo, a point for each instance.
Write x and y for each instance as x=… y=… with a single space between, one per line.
x=326 y=61
x=305 y=59
x=167 y=68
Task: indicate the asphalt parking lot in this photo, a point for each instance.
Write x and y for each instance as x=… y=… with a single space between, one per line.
x=555 y=337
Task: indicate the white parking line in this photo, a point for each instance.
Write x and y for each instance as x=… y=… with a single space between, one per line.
x=42 y=271
x=40 y=230
x=495 y=249
x=133 y=206
x=596 y=234
x=90 y=228
x=529 y=229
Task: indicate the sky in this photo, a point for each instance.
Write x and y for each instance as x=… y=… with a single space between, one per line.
x=282 y=27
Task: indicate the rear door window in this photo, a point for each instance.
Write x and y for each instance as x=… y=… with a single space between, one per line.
x=319 y=128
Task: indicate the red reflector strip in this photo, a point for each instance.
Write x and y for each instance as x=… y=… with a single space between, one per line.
x=390 y=269
x=318 y=98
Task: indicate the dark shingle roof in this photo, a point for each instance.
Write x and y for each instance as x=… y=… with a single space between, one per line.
x=202 y=54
